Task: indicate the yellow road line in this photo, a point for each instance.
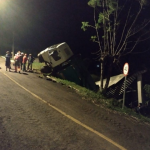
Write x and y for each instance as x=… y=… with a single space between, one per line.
x=71 y=118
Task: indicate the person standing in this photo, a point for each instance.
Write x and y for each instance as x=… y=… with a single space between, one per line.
x=30 y=61
x=24 y=62
x=17 y=62
x=7 y=60
x=21 y=60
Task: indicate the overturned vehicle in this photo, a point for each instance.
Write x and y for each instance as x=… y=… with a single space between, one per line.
x=62 y=63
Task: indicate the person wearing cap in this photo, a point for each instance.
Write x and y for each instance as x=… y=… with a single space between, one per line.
x=7 y=60
x=24 y=62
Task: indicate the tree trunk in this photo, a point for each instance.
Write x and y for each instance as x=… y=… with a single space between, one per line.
x=101 y=75
x=108 y=68
x=109 y=72
x=108 y=77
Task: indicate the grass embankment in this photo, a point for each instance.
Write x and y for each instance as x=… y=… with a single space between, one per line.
x=37 y=66
x=96 y=98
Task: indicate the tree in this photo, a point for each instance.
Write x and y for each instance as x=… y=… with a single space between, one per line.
x=119 y=27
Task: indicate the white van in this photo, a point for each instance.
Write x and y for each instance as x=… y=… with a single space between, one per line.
x=56 y=54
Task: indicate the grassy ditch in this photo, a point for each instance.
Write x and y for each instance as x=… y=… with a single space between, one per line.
x=97 y=98
x=37 y=66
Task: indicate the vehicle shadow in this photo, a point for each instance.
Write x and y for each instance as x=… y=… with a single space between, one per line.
x=24 y=73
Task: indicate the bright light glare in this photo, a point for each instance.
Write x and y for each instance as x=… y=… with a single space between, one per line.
x=3 y=3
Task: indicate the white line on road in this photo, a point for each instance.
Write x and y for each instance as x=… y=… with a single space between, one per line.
x=71 y=118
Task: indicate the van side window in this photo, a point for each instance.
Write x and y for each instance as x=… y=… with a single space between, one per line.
x=55 y=56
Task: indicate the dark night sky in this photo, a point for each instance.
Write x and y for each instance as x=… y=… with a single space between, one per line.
x=38 y=24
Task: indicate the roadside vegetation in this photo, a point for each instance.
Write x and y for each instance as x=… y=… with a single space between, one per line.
x=37 y=66
x=97 y=98
x=118 y=28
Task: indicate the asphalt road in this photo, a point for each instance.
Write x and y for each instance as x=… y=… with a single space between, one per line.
x=37 y=114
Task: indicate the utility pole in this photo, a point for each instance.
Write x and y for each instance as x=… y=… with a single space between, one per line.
x=13 y=45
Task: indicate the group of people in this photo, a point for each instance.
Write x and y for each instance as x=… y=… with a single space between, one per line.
x=21 y=60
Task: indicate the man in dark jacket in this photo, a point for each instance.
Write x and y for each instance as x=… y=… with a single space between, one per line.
x=30 y=61
x=7 y=61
